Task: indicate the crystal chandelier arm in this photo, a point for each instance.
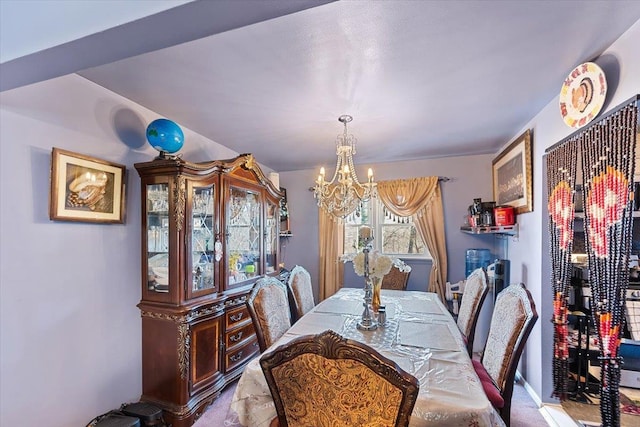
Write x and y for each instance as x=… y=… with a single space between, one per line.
x=344 y=192
x=352 y=171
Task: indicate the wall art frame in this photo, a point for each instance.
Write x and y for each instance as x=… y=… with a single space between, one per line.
x=86 y=189
x=512 y=174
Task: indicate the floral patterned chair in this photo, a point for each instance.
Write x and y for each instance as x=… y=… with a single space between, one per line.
x=326 y=380
x=300 y=293
x=396 y=279
x=476 y=289
x=268 y=306
x=513 y=318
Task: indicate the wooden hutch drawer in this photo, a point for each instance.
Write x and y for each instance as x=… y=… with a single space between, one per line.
x=236 y=357
x=236 y=316
x=239 y=335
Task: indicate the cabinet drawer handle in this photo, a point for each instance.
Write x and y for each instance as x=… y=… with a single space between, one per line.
x=236 y=357
x=236 y=337
x=236 y=317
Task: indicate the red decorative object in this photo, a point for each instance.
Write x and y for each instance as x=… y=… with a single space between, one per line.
x=504 y=215
x=561 y=212
x=608 y=195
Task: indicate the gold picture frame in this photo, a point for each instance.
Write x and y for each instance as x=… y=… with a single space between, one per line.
x=512 y=175
x=86 y=189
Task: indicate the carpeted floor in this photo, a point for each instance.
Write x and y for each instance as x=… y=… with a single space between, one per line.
x=524 y=411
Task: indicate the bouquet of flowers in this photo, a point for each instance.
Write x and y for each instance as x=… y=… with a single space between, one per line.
x=379 y=264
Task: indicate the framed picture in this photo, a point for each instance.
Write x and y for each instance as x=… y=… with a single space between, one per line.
x=86 y=189
x=512 y=175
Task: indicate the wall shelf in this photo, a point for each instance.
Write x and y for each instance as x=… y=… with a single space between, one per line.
x=509 y=230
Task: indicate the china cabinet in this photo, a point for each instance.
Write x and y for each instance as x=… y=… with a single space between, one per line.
x=209 y=231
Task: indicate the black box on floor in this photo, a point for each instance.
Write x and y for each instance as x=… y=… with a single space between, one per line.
x=150 y=415
x=117 y=420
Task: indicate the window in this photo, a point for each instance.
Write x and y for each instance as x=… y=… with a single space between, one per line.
x=393 y=235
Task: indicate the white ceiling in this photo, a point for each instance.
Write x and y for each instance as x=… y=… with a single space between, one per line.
x=420 y=78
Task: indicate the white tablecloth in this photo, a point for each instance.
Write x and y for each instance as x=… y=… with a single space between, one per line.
x=420 y=336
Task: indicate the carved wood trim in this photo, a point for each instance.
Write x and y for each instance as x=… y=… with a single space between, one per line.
x=189 y=316
x=184 y=343
x=179 y=201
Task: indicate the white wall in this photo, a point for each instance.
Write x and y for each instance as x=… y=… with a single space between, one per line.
x=529 y=256
x=70 y=329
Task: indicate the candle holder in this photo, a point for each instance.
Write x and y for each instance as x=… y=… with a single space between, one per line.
x=367 y=323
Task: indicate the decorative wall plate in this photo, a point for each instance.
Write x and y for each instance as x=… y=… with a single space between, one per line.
x=582 y=95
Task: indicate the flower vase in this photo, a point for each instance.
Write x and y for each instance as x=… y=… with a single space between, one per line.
x=367 y=323
x=376 y=285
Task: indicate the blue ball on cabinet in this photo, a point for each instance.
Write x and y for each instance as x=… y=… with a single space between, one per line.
x=165 y=136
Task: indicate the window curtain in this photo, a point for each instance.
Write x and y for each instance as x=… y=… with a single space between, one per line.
x=421 y=199
x=331 y=240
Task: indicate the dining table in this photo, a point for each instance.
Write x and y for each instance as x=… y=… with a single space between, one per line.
x=420 y=335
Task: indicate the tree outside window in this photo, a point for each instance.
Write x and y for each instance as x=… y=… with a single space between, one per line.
x=393 y=235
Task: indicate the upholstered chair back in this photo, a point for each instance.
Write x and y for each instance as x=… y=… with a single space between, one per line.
x=513 y=318
x=476 y=289
x=327 y=380
x=268 y=306
x=301 y=292
x=396 y=279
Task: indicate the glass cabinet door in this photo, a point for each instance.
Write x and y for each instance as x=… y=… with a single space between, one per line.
x=243 y=234
x=202 y=226
x=158 y=237
x=271 y=237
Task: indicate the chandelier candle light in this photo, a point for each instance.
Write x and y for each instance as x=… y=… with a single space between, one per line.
x=373 y=266
x=344 y=193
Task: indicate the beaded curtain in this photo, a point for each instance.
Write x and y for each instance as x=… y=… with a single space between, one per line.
x=607 y=149
x=561 y=180
x=608 y=158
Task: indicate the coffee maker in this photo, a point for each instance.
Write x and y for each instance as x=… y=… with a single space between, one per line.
x=481 y=213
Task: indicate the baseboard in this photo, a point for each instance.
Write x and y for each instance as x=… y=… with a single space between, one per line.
x=529 y=390
x=553 y=414
x=556 y=416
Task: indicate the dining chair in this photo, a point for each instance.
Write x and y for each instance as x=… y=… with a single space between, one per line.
x=514 y=315
x=300 y=293
x=476 y=289
x=268 y=306
x=396 y=279
x=329 y=380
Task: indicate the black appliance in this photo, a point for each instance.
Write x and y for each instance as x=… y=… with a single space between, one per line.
x=498 y=273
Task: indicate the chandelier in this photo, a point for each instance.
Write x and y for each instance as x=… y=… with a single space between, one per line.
x=344 y=193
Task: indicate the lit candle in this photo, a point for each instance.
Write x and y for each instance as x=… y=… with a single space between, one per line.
x=322 y=172
x=370 y=174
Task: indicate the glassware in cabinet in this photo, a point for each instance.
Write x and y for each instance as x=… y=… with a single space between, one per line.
x=203 y=236
x=157 y=220
x=271 y=236
x=244 y=212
